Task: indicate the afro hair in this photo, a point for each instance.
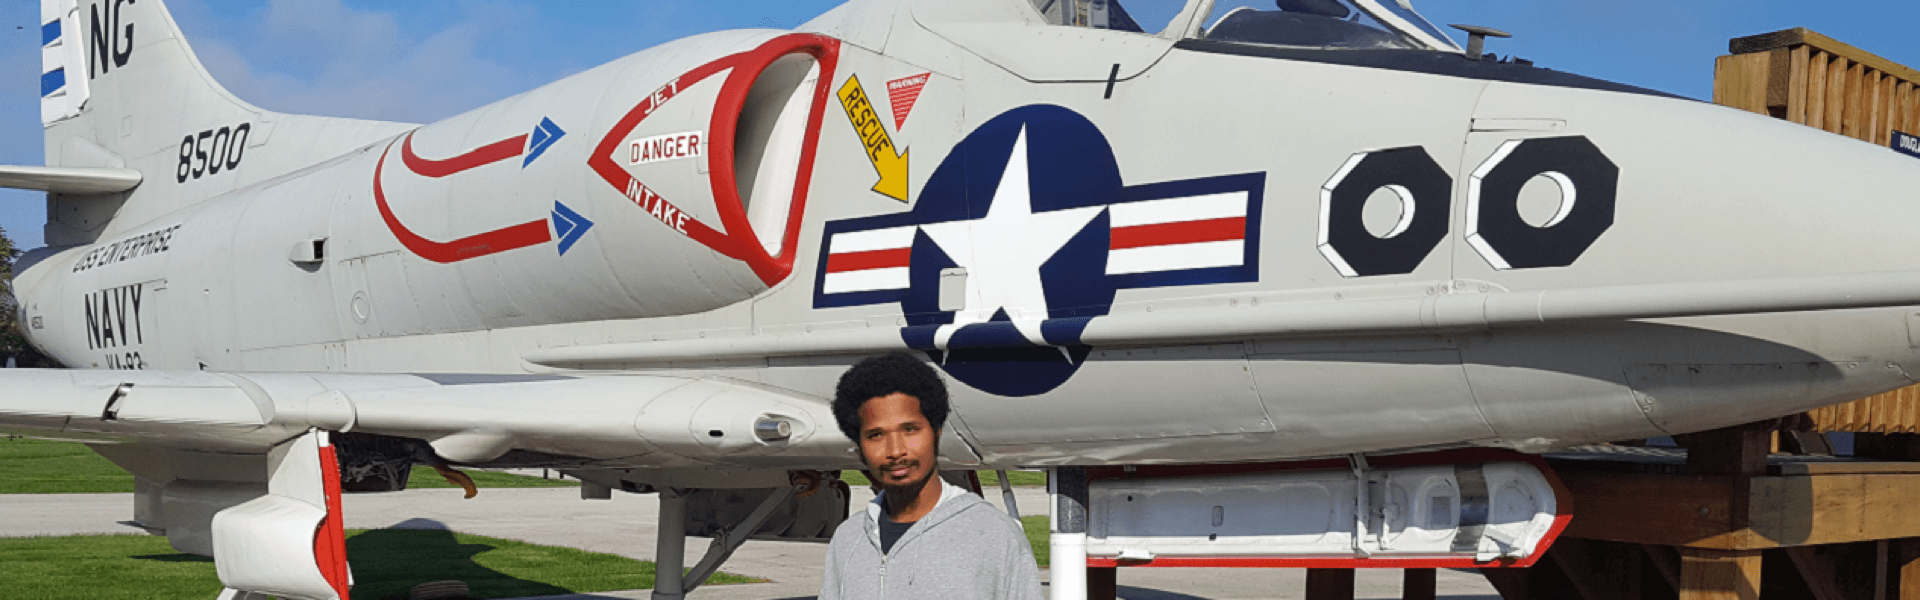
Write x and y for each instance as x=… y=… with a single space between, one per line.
x=884 y=375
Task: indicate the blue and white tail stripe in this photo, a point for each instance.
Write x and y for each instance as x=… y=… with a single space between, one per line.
x=62 y=92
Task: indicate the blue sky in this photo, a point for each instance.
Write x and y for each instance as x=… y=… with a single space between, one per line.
x=423 y=60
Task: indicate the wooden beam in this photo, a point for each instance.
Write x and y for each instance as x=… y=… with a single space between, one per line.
x=1741 y=82
x=1329 y=584
x=1817 y=90
x=1906 y=561
x=1798 y=70
x=1420 y=584
x=1666 y=560
x=1663 y=510
x=1822 y=580
x=1719 y=575
x=1881 y=556
x=1573 y=560
x=1103 y=583
x=1512 y=584
x=1737 y=450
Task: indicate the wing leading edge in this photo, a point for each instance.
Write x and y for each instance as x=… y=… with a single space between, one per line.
x=617 y=420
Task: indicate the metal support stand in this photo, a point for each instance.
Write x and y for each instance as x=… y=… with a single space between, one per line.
x=670 y=548
x=669 y=583
x=1068 y=541
x=1361 y=504
x=723 y=545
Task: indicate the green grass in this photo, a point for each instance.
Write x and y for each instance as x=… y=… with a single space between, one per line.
x=988 y=479
x=29 y=466
x=1036 y=528
x=387 y=563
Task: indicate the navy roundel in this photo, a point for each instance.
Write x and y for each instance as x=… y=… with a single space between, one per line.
x=1024 y=235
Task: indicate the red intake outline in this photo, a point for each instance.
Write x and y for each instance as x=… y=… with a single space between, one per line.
x=739 y=242
x=1562 y=501
x=531 y=233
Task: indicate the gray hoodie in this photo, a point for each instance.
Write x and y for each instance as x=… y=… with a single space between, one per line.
x=964 y=549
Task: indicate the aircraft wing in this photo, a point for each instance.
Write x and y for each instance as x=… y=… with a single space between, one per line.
x=616 y=420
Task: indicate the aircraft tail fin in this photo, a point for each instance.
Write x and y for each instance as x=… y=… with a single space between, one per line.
x=121 y=90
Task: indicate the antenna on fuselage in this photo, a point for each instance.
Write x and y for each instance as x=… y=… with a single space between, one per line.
x=1477 y=39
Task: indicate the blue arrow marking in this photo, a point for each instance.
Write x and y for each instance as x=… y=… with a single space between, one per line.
x=543 y=136
x=568 y=226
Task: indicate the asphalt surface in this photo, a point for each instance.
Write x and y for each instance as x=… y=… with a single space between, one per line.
x=625 y=526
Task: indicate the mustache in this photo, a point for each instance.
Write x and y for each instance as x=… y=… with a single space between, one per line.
x=908 y=464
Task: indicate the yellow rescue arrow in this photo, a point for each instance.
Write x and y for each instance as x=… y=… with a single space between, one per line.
x=880 y=149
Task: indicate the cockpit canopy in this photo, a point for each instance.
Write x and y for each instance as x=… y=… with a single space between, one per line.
x=1324 y=24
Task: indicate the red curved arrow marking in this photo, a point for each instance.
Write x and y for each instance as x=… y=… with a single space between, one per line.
x=519 y=236
x=482 y=156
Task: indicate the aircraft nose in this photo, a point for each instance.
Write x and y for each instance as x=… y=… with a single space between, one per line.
x=1711 y=193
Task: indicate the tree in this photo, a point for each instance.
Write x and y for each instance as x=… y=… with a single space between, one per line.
x=13 y=342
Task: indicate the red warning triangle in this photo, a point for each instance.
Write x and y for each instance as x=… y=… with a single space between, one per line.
x=902 y=93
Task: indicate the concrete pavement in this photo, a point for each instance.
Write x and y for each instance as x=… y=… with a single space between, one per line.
x=625 y=526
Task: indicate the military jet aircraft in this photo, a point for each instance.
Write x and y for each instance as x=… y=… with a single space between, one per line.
x=1178 y=254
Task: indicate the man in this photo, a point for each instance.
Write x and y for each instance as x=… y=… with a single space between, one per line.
x=920 y=538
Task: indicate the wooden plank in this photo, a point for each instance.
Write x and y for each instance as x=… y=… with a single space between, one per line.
x=1853 y=122
x=1740 y=82
x=1798 y=68
x=1899 y=106
x=1737 y=450
x=1666 y=560
x=1876 y=106
x=1817 y=90
x=1573 y=560
x=1777 y=81
x=1697 y=511
x=1880 y=559
x=1329 y=584
x=1719 y=575
x=1666 y=510
x=1103 y=583
x=1876 y=116
x=1836 y=93
x=1886 y=409
x=1883 y=135
x=1906 y=558
x=1420 y=584
x=1821 y=579
x=1792 y=37
x=1913 y=112
x=1847 y=468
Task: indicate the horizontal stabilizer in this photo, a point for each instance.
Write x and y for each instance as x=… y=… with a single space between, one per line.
x=69 y=180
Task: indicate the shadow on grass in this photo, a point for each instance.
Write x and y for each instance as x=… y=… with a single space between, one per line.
x=387 y=563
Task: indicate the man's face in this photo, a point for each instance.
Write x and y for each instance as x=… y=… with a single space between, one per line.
x=897 y=442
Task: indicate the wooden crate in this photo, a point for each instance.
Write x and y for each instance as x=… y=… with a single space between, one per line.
x=1817 y=81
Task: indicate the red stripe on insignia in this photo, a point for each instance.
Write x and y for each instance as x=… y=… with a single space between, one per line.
x=874 y=259
x=1187 y=232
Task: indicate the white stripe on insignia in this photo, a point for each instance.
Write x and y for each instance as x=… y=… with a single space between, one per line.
x=866 y=281
x=1175 y=210
x=878 y=239
x=1151 y=259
